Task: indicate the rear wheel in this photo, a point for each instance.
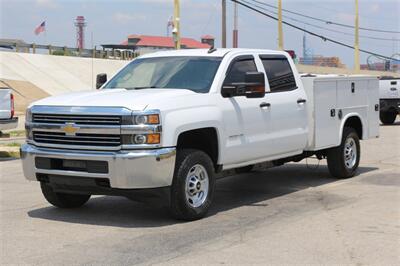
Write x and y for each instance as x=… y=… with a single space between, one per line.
x=343 y=160
x=388 y=118
x=193 y=185
x=63 y=200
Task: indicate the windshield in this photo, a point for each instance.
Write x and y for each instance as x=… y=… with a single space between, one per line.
x=192 y=73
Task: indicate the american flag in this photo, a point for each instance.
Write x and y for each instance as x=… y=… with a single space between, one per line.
x=40 y=28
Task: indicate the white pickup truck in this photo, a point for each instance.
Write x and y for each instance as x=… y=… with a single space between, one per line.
x=7 y=119
x=169 y=121
x=389 y=94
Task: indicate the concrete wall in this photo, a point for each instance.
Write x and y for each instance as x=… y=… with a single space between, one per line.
x=55 y=74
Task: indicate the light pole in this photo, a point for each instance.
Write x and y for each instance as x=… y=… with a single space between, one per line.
x=280 y=31
x=176 y=32
x=223 y=31
x=356 y=43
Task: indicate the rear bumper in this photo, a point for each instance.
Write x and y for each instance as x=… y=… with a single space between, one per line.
x=6 y=124
x=389 y=105
x=136 y=169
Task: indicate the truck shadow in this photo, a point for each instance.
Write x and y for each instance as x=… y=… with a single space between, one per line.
x=390 y=125
x=252 y=189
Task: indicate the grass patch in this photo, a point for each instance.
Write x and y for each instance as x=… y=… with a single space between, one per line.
x=17 y=133
x=9 y=154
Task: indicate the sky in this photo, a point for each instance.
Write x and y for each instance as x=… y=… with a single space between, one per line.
x=110 y=21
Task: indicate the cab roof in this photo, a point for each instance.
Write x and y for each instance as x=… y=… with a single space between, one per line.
x=219 y=52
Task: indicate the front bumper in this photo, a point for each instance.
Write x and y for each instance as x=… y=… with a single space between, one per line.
x=6 y=124
x=135 y=169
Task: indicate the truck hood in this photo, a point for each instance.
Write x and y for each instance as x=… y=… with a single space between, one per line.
x=131 y=99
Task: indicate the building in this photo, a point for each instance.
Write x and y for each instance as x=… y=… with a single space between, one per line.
x=149 y=43
x=319 y=60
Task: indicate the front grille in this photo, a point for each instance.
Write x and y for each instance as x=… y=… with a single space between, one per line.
x=77 y=119
x=80 y=139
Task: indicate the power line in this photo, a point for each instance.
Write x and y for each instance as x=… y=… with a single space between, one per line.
x=310 y=32
x=327 y=21
x=319 y=27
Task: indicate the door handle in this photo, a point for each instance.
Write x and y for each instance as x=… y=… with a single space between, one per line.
x=265 y=105
x=301 y=101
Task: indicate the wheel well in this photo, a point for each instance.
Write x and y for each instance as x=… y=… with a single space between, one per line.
x=204 y=139
x=355 y=123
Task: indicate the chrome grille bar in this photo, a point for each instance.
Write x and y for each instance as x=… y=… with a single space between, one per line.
x=77 y=119
x=79 y=139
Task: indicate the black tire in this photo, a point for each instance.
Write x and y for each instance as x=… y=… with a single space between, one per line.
x=336 y=156
x=63 y=200
x=244 y=169
x=180 y=206
x=387 y=118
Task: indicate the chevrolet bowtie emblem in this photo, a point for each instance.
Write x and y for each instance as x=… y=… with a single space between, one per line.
x=70 y=129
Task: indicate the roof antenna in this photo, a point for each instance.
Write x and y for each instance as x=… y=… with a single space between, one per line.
x=212 y=49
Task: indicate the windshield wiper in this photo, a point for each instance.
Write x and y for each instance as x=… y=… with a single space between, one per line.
x=141 y=88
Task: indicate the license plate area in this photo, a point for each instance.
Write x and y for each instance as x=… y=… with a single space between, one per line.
x=88 y=166
x=74 y=164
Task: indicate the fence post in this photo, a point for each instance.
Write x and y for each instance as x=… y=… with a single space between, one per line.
x=65 y=50
x=49 y=47
x=33 y=48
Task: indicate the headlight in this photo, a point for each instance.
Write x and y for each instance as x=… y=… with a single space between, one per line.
x=28 y=115
x=146 y=139
x=153 y=119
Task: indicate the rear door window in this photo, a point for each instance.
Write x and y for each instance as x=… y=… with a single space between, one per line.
x=279 y=73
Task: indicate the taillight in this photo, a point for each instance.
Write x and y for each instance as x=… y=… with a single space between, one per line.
x=12 y=105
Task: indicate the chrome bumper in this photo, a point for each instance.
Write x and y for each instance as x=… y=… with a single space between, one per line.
x=133 y=169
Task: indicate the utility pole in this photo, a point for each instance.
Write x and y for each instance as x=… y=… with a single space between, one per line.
x=223 y=37
x=280 y=31
x=356 y=43
x=177 y=31
x=235 y=27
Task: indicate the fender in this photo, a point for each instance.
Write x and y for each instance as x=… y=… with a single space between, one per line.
x=204 y=117
x=343 y=122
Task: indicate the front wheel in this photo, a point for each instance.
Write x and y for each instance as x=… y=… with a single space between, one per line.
x=193 y=185
x=343 y=160
x=63 y=200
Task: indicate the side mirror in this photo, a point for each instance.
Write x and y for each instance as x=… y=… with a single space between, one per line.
x=253 y=87
x=100 y=80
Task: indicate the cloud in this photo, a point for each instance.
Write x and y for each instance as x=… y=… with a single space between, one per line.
x=124 y=18
x=46 y=3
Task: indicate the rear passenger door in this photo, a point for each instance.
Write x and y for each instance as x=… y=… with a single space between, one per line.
x=286 y=115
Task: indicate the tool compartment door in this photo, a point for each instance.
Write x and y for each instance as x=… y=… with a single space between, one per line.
x=326 y=123
x=373 y=108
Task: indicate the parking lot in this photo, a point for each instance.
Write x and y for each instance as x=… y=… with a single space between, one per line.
x=294 y=214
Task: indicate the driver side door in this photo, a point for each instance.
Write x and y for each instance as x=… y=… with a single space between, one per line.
x=243 y=119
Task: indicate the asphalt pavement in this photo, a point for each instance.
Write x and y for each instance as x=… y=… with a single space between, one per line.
x=294 y=214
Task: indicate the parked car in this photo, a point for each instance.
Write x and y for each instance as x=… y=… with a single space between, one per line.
x=7 y=119
x=169 y=121
x=389 y=94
